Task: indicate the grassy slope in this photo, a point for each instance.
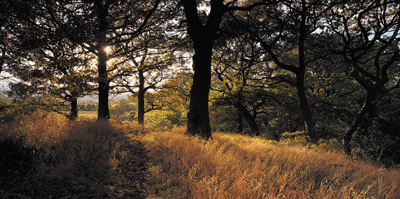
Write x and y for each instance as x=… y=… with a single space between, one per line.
x=64 y=159
x=89 y=159
x=235 y=166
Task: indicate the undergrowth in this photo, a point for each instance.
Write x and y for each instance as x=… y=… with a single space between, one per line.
x=237 y=166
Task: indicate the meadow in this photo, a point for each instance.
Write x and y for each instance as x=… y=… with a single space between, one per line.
x=238 y=166
x=48 y=156
x=88 y=114
x=44 y=155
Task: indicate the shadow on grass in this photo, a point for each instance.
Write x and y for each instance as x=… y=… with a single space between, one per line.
x=43 y=157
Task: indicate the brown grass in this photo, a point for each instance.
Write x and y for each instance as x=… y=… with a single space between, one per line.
x=79 y=159
x=235 y=166
x=87 y=114
x=91 y=159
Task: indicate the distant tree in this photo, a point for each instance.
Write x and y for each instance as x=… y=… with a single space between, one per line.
x=95 y=25
x=60 y=70
x=171 y=96
x=334 y=93
x=147 y=67
x=116 y=23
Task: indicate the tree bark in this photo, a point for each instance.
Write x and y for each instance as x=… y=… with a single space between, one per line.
x=239 y=112
x=239 y=121
x=101 y=38
x=353 y=128
x=369 y=108
x=103 y=111
x=203 y=36
x=250 y=120
x=2 y=58
x=141 y=98
x=198 y=117
x=74 y=108
x=305 y=110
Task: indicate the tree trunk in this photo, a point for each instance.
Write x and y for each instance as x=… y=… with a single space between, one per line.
x=305 y=110
x=2 y=58
x=203 y=36
x=250 y=120
x=353 y=128
x=103 y=111
x=141 y=98
x=198 y=119
x=239 y=112
x=369 y=108
x=101 y=37
x=74 y=108
x=239 y=121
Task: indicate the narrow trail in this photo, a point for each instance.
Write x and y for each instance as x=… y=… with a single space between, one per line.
x=136 y=170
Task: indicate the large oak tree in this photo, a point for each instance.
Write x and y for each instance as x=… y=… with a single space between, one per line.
x=202 y=29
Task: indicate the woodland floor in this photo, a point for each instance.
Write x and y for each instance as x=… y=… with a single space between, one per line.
x=46 y=156
x=16 y=171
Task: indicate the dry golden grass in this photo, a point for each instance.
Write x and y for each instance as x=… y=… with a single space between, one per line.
x=91 y=159
x=74 y=159
x=235 y=166
x=87 y=114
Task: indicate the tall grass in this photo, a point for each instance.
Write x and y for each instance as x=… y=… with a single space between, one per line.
x=236 y=166
x=93 y=159
x=81 y=159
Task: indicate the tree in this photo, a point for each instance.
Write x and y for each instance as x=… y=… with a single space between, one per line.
x=107 y=29
x=285 y=32
x=369 y=33
x=203 y=30
x=58 y=71
x=96 y=25
x=169 y=100
x=241 y=76
x=149 y=65
x=47 y=64
x=18 y=35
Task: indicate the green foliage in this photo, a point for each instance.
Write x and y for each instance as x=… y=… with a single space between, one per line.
x=123 y=109
x=88 y=107
x=158 y=120
x=166 y=107
x=10 y=110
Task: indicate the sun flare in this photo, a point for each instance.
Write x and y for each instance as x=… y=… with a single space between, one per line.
x=108 y=50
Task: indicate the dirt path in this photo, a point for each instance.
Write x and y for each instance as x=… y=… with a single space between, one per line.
x=136 y=171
